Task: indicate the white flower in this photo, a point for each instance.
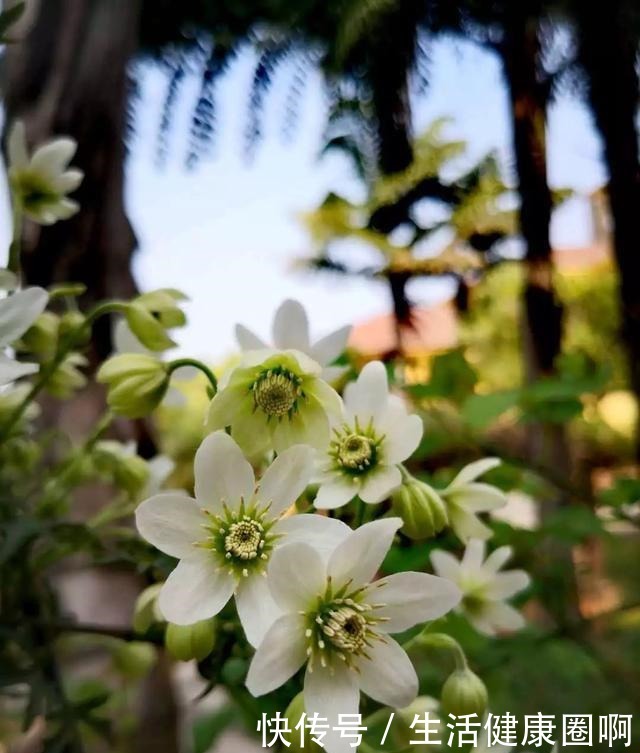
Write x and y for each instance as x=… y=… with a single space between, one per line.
x=273 y=400
x=375 y=436
x=40 y=183
x=225 y=537
x=338 y=622
x=465 y=498
x=484 y=588
x=17 y=313
x=290 y=331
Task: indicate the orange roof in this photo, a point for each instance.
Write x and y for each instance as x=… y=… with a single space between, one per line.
x=582 y=259
x=433 y=328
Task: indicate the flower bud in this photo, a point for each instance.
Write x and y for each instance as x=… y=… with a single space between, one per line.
x=120 y=463
x=137 y=382
x=145 y=612
x=401 y=733
x=67 y=378
x=71 y=321
x=464 y=693
x=422 y=510
x=151 y=314
x=185 y=642
x=133 y=659
x=42 y=336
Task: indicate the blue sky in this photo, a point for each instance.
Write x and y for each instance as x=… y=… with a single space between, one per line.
x=227 y=233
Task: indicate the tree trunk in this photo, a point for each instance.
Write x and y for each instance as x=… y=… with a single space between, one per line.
x=68 y=75
x=542 y=325
x=607 y=48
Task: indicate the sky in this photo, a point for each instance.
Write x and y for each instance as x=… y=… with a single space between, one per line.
x=227 y=233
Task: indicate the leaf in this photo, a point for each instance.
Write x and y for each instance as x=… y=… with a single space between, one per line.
x=625 y=491
x=208 y=728
x=480 y=410
x=17 y=535
x=9 y=17
x=573 y=524
x=452 y=377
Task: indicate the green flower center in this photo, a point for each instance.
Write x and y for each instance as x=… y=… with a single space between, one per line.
x=341 y=626
x=240 y=540
x=244 y=539
x=276 y=392
x=355 y=450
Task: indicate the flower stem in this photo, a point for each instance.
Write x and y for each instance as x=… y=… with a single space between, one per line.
x=15 y=249
x=179 y=362
x=65 y=346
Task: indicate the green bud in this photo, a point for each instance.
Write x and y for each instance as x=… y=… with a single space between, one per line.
x=133 y=659
x=67 y=290
x=122 y=465
x=464 y=693
x=234 y=671
x=185 y=642
x=137 y=382
x=68 y=378
x=41 y=338
x=151 y=314
x=145 y=612
x=72 y=321
x=421 y=508
x=400 y=732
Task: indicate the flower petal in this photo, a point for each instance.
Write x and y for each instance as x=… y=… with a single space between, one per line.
x=17 y=146
x=322 y=533
x=367 y=396
x=411 y=598
x=335 y=493
x=172 y=522
x=19 y=311
x=52 y=158
x=196 y=590
x=388 y=676
x=225 y=406
x=290 y=326
x=279 y=656
x=402 y=437
x=326 y=350
x=297 y=574
x=331 y=692
x=445 y=565
x=466 y=525
x=328 y=398
x=379 y=484
x=247 y=340
x=497 y=559
x=11 y=370
x=473 y=555
x=478 y=497
x=309 y=426
x=286 y=478
x=495 y=617
x=256 y=608
x=474 y=470
x=360 y=555
x=221 y=473
x=505 y=585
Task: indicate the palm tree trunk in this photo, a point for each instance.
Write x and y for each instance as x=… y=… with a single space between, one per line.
x=607 y=48
x=542 y=325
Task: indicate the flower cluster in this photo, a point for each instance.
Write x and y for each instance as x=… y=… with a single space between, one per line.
x=306 y=585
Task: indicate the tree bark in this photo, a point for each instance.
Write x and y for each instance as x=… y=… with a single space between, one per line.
x=607 y=49
x=68 y=75
x=542 y=325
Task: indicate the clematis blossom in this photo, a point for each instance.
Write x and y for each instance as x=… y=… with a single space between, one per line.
x=484 y=587
x=337 y=621
x=226 y=536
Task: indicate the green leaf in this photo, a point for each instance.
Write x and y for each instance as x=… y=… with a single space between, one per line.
x=573 y=524
x=452 y=377
x=480 y=410
x=17 y=535
x=207 y=729
x=625 y=491
x=9 y=17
